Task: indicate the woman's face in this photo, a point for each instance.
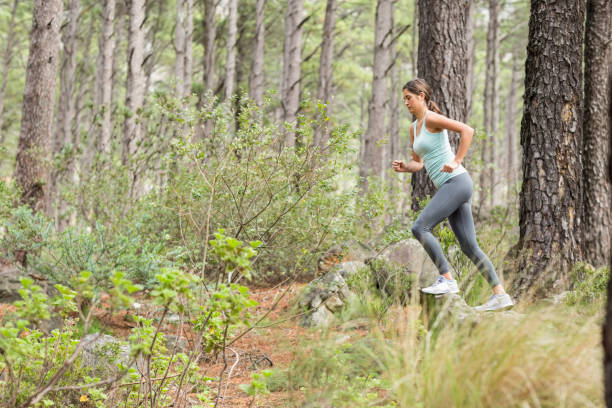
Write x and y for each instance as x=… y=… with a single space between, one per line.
x=413 y=101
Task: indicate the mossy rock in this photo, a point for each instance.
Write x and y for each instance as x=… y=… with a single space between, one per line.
x=392 y=279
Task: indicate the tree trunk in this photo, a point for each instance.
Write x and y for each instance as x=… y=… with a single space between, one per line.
x=66 y=112
x=209 y=44
x=135 y=86
x=8 y=56
x=596 y=214
x=292 y=66
x=414 y=55
x=372 y=149
x=471 y=57
x=324 y=94
x=188 y=67
x=511 y=139
x=230 y=64
x=551 y=131
x=151 y=37
x=256 y=83
x=487 y=176
x=179 y=48
x=35 y=137
x=443 y=64
x=106 y=97
x=209 y=59
x=607 y=328
x=83 y=121
x=394 y=99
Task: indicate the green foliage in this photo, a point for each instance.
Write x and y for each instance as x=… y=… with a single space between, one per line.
x=24 y=231
x=258 y=385
x=589 y=284
x=287 y=199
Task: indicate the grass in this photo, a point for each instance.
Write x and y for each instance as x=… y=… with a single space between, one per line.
x=543 y=356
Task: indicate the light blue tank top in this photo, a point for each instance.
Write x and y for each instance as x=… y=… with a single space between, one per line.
x=435 y=150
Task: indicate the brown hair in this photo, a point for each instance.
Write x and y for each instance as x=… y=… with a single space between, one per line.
x=418 y=85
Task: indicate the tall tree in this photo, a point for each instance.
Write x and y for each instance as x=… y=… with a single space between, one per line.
x=324 y=93
x=35 y=136
x=135 y=86
x=607 y=327
x=491 y=111
x=597 y=215
x=292 y=65
x=471 y=57
x=230 y=64
x=393 y=147
x=179 y=48
x=65 y=134
x=6 y=63
x=551 y=130
x=107 y=49
x=443 y=64
x=511 y=116
x=256 y=82
x=371 y=163
x=188 y=66
x=210 y=27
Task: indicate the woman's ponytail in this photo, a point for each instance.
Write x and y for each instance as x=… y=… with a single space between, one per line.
x=432 y=106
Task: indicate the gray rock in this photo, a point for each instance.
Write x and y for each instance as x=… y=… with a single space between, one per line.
x=10 y=284
x=101 y=353
x=411 y=255
x=334 y=303
x=176 y=344
x=330 y=290
x=320 y=317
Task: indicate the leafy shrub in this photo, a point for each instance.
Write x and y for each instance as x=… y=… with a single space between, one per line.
x=48 y=370
x=588 y=284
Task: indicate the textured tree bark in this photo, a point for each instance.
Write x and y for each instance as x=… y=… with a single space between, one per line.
x=607 y=328
x=35 y=137
x=210 y=27
x=64 y=135
x=179 y=48
x=471 y=57
x=511 y=139
x=487 y=175
x=443 y=64
x=292 y=66
x=107 y=41
x=188 y=67
x=135 y=86
x=230 y=64
x=256 y=83
x=392 y=148
x=371 y=164
x=8 y=56
x=551 y=131
x=597 y=215
x=414 y=54
x=324 y=94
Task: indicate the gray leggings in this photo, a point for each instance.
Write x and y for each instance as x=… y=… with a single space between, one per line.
x=453 y=200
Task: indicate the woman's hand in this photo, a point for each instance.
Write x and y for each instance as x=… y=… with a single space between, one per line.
x=399 y=166
x=450 y=167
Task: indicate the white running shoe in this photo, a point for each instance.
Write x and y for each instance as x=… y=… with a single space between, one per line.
x=496 y=302
x=442 y=286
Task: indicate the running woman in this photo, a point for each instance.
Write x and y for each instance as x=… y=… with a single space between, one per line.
x=453 y=198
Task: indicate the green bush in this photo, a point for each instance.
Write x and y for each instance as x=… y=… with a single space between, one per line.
x=588 y=284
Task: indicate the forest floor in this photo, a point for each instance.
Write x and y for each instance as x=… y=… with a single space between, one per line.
x=271 y=345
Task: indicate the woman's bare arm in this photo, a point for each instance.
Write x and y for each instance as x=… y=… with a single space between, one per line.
x=438 y=122
x=413 y=166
